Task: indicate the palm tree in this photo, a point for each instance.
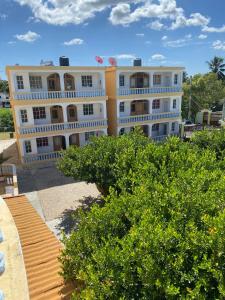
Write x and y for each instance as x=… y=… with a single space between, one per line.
x=216 y=65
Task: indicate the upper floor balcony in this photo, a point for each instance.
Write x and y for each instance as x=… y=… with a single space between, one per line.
x=46 y=84
x=148 y=83
x=43 y=95
x=77 y=126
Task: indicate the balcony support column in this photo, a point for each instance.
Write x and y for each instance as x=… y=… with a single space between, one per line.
x=151 y=79
x=62 y=84
x=64 y=109
x=150 y=106
x=67 y=139
x=150 y=130
x=104 y=110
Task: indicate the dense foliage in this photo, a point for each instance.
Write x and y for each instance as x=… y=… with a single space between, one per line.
x=161 y=234
x=4 y=87
x=206 y=92
x=6 y=120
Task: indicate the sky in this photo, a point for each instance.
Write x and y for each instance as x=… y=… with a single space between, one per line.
x=161 y=32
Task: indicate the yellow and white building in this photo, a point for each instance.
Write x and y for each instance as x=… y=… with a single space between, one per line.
x=55 y=107
x=149 y=97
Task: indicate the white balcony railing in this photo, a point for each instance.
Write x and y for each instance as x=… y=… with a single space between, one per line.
x=62 y=126
x=150 y=90
x=150 y=117
x=42 y=157
x=59 y=94
x=159 y=138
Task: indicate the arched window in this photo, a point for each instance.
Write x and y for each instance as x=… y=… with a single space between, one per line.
x=139 y=80
x=69 y=82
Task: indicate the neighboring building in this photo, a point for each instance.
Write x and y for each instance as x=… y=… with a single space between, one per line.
x=208 y=117
x=55 y=107
x=4 y=100
x=149 y=97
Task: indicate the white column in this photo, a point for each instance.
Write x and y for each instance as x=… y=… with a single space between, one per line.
x=150 y=106
x=150 y=130
x=169 y=126
x=151 y=78
x=62 y=84
x=64 y=108
x=172 y=79
x=104 y=110
x=118 y=109
x=67 y=139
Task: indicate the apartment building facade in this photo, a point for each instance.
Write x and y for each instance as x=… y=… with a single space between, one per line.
x=55 y=107
x=149 y=97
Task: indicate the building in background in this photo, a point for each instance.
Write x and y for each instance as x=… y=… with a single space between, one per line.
x=149 y=97
x=4 y=100
x=55 y=107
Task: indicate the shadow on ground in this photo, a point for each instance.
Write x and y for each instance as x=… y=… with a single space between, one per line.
x=69 y=219
x=41 y=177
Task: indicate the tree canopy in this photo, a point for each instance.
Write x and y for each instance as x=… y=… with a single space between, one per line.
x=206 y=92
x=217 y=66
x=4 y=87
x=6 y=120
x=161 y=231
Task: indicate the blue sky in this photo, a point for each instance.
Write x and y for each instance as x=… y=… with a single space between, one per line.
x=161 y=32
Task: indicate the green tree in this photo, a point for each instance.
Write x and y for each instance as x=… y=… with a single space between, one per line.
x=4 y=87
x=160 y=238
x=205 y=90
x=217 y=66
x=103 y=160
x=6 y=120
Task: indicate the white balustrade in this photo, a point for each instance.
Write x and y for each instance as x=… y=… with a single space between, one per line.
x=63 y=126
x=42 y=157
x=148 y=117
x=150 y=90
x=59 y=94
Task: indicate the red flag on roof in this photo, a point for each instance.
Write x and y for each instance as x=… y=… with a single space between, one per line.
x=99 y=59
x=112 y=61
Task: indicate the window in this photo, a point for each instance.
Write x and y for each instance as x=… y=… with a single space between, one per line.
x=132 y=107
x=35 y=82
x=173 y=126
x=122 y=108
x=28 y=148
x=39 y=113
x=122 y=131
x=55 y=114
x=88 y=109
x=156 y=104
x=175 y=79
x=42 y=142
x=72 y=113
x=19 y=80
x=174 y=103
x=23 y=114
x=156 y=79
x=122 y=80
x=88 y=135
x=86 y=81
x=155 y=127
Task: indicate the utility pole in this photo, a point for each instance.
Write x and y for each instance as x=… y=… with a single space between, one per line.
x=190 y=99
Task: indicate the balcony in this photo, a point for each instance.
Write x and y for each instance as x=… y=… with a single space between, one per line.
x=63 y=126
x=43 y=95
x=150 y=90
x=42 y=157
x=149 y=117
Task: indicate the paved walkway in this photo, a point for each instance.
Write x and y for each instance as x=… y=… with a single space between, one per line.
x=53 y=195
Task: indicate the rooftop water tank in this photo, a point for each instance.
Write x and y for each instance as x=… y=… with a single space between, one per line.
x=137 y=62
x=64 y=61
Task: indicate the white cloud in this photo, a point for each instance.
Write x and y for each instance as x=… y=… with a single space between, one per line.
x=196 y=19
x=11 y=42
x=125 y=56
x=3 y=16
x=74 y=42
x=179 y=43
x=156 y=25
x=214 y=29
x=148 y=42
x=219 y=45
x=164 y=38
x=140 y=34
x=158 y=57
x=29 y=37
x=202 y=36
x=61 y=12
